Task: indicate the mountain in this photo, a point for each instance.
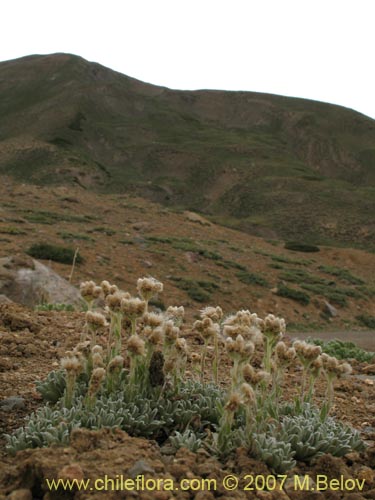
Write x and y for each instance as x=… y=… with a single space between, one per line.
x=278 y=167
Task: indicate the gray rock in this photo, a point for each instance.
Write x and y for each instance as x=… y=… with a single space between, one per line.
x=330 y=310
x=29 y=282
x=139 y=468
x=12 y=403
x=4 y=299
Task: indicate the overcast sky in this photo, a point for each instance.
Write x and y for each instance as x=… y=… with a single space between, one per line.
x=317 y=49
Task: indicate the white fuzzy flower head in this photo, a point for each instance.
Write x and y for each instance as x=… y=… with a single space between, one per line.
x=96 y=320
x=113 y=300
x=71 y=364
x=148 y=287
x=87 y=289
x=171 y=331
x=214 y=313
x=133 y=307
x=206 y=328
x=153 y=320
x=136 y=346
x=175 y=313
x=273 y=326
x=306 y=352
x=116 y=363
x=234 y=402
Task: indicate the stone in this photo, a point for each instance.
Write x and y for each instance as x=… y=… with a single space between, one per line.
x=21 y=494
x=194 y=217
x=12 y=403
x=29 y=282
x=4 y=299
x=140 y=468
x=329 y=309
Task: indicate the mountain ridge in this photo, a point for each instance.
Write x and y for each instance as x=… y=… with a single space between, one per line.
x=270 y=165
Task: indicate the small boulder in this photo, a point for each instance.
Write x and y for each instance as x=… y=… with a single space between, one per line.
x=29 y=282
x=194 y=217
x=329 y=310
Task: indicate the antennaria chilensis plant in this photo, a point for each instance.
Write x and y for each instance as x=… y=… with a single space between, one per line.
x=129 y=370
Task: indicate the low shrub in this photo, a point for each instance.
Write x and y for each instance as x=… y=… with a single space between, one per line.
x=366 y=320
x=251 y=278
x=301 y=247
x=292 y=293
x=344 y=350
x=45 y=251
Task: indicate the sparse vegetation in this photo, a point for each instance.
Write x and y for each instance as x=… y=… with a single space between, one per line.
x=45 y=217
x=105 y=230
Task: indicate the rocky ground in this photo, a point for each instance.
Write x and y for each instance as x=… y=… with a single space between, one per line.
x=31 y=344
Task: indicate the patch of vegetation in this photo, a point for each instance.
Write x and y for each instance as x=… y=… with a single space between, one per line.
x=157 y=303
x=186 y=245
x=46 y=251
x=11 y=230
x=288 y=260
x=368 y=290
x=321 y=286
x=55 y=307
x=342 y=274
x=297 y=246
x=300 y=276
x=104 y=230
x=197 y=290
x=366 y=320
x=292 y=293
x=344 y=350
x=336 y=295
x=45 y=217
x=127 y=241
x=74 y=236
x=275 y=265
x=251 y=278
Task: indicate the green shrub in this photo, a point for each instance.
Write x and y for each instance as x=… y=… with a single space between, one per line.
x=344 y=350
x=366 y=320
x=197 y=290
x=56 y=253
x=301 y=276
x=292 y=293
x=251 y=278
x=74 y=236
x=11 y=230
x=343 y=274
x=301 y=247
x=105 y=230
x=54 y=307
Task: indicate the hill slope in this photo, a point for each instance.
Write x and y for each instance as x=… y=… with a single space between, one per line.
x=122 y=238
x=270 y=165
